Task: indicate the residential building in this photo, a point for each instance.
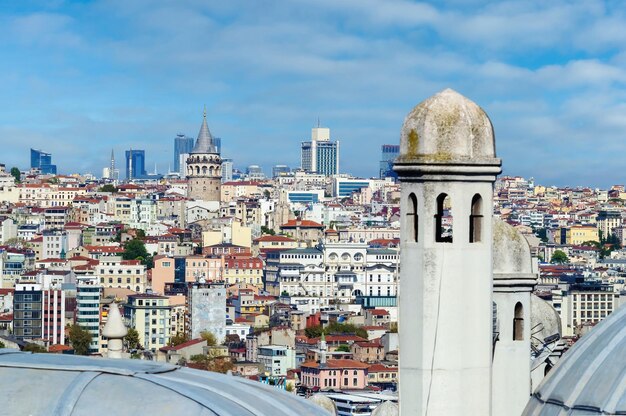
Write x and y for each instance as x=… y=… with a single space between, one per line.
x=27 y=311
x=207 y=310
x=150 y=315
x=277 y=359
x=334 y=375
x=88 y=295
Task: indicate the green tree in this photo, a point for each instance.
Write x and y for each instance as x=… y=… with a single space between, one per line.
x=559 y=257
x=335 y=328
x=135 y=249
x=393 y=328
x=210 y=339
x=108 y=188
x=178 y=339
x=132 y=339
x=2 y=345
x=15 y=172
x=80 y=339
x=266 y=230
x=32 y=347
x=343 y=348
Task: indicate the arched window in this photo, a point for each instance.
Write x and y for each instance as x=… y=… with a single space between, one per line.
x=518 y=322
x=204 y=170
x=211 y=170
x=476 y=219
x=411 y=220
x=443 y=220
x=197 y=170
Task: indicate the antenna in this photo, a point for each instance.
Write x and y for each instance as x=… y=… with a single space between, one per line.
x=318 y=122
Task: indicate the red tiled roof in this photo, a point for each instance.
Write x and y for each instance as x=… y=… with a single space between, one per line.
x=302 y=224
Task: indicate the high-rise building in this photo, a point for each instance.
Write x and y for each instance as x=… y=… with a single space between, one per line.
x=227 y=170
x=136 y=164
x=207 y=305
x=320 y=154
x=42 y=161
x=255 y=172
x=88 y=310
x=182 y=146
x=389 y=153
x=204 y=167
x=27 y=314
x=279 y=170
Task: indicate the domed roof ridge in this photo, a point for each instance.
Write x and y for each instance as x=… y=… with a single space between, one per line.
x=86 y=386
x=591 y=377
x=448 y=128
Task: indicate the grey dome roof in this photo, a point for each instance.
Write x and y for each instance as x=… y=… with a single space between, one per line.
x=590 y=379
x=51 y=384
x=511 y=252
x=447 y=127
x=204 y=142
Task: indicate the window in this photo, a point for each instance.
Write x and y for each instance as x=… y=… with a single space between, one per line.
x=476 y=219
x=412 y=218
x=443 y=223
x=518 y=323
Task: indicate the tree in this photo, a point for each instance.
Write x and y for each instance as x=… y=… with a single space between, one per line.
x=335 y=328
x=15 y=172
x=393 y=328
x=108 y=188
x=132 y=339
x=343 y=348
x=32 y=347
x=209 y=337
x=135 y=249
x=2 y=345
x=266 y=230
x=80 y=339
x=178 y=339
x=559 y=257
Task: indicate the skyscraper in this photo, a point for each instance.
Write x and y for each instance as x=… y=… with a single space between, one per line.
x=42 y=161
x=320 y=155
x=227 y=170
x=279 y=170
x=135 y=164
x=389 y=153
x=182 y=146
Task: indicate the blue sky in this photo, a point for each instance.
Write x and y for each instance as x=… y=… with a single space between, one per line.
x=80 y=78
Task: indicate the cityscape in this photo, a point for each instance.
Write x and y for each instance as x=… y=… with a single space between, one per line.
x=313 y=208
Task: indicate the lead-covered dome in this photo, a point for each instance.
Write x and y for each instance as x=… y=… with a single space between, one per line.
x=511 y=252
x=447 y=127
x=590 y=379
x=50 y=384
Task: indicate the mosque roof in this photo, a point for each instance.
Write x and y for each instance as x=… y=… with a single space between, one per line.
x=204 y=142
x=447 y=128
x=79 y=385
x=590 y=379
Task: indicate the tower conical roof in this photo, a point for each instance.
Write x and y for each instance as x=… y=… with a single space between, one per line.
x=204 y=142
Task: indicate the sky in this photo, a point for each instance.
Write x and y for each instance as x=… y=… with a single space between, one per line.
x=79 y=78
